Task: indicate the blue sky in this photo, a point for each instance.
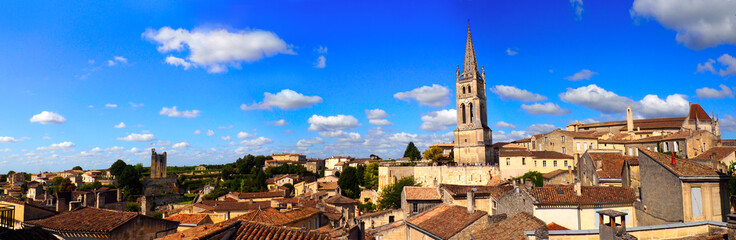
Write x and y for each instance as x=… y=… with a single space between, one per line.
x=265 y=77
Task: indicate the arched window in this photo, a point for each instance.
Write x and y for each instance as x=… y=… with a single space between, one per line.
x=471 y=112
x=470 y=89
x=463 y=89
x=462 y=106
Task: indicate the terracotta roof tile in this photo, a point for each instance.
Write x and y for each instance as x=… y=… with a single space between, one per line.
x=683 y=166
x=581 y=134
x=327 y=186
x=231 y=205
x=275 y=217
x=564 y=194
x=245 y=230
x=254 y=195
x=445 y=220
x=422 y=193
x=188 y=218
x=511 y=228
x=554 y=226
x=717 y=152
x=480 y=190
x=86 y=220
x=611 y=163
x=550 y=155
x=514 y=153
x=340 y=199
x=554 y=173
x=697 y=112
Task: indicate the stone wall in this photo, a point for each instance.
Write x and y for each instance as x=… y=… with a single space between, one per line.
x=431 y=176
x=663 y=204
x=158 y=186
x=514 y=202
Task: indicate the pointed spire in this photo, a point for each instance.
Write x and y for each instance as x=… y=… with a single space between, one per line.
x=470 y=66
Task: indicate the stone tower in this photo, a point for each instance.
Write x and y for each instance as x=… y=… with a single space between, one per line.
x=472 y=135
x=629 y=120
x=158 y=164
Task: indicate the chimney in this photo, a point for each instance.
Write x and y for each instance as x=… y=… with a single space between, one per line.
x=471 y=201
x=61 y=205
x=578 y=189
x=119 y=195
x=674 y=163
x=100 y=201
x=569 y=174
x=84 y=200
x=629 y=120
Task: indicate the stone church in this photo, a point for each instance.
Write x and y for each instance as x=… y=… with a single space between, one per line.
x=472 y=135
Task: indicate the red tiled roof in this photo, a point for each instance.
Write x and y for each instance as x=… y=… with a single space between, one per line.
x=697 y=112
x=523 y=140
x=581 y=134
x=86 y=220
x=511 y=228
x=717 y=153
x=514 y=153
x=188 y=218
x=554 y=226
x=550 y=155
x=683 y=166
x=326 y=186
x=340 y=199
x=564 y=194
x=554 y=173
x=275 y=217
x=255 y=195
x=611 y=163
x=445 y=220
x=480 y=190
x=422 y=193
x=239 y=229
x=231 y=205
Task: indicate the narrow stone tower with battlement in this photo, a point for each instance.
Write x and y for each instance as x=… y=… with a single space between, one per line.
x=158 y=164
x=472 y=135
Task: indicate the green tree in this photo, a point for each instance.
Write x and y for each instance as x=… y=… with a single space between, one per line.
x=348 y=182
x=391 y=195
x=77 y=168
x=130 y=180
x=534 y=176
x=434 y=153
x=290 y=187
x=226 y=171
x=360 y=174
x=412 y=152
x=370 y=176
x=133 y=207
x=117 y=168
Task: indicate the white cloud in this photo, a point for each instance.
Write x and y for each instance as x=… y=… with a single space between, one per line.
x=46 y=137
x=728 y=123
x=547 y=108
x=376 y=113
x=584 y=74
x=245 y=135
x=321 y=50
x=9 y=140
x=706 y=67
x=511 y=52
x=288 y=131
x=7 y=150
x=675 y=105
x=163 y=143
x=225 y=127
x=380 y=122
x=505 y=125
x=111 y=105
x=597 y=98
x=135 y=105
x=280 y=122
x=728 y=62
x=136 y=137
x=511 y=92
x=502 y=136
x=225 y=138
x=120 y=125
x=706 y=92
x=578 y=6
x=197 y=131
x=216 y=49
x=178 y=62
x=173 y=112
x=651 y=106
x=310 y=142
x=321 y=62
x=540 y=128
x=115 y=60
x=114 y=149
x=433 y=96
x=47 y=117
x=181 y=145
x=331 y=123
x=57 y=146
x=439 y=120
x=699 y=23
x=210 y=133
x=286 y=99
x=257 y=142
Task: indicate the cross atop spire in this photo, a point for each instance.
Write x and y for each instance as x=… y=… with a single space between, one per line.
x=470 y=66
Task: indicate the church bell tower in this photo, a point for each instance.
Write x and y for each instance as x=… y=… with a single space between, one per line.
x=472 y=135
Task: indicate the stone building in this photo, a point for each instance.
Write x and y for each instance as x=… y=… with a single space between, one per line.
x=601 y=167
x=95 y=223
x=679 y=190
x=432 y=176
x=446 y=221
x=472 y=135
x=482 y=197
x=718 y=158
x=158 y=164
x=415 y=200
x=515 y=163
